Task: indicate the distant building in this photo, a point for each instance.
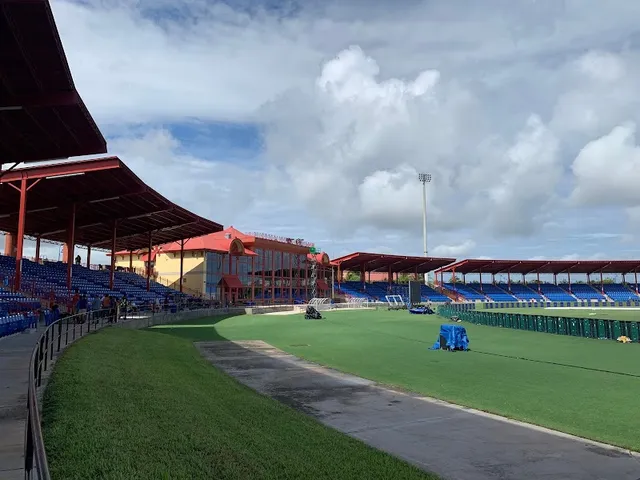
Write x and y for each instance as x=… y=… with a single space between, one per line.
x=234 y=267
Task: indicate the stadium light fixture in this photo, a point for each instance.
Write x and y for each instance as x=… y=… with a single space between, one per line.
x=66 y=175
x=424 y=178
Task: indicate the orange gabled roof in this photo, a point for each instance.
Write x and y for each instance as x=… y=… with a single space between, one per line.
x=212 y=242
x=215 y=242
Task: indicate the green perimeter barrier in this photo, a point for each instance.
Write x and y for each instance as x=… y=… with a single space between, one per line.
x=575 y=327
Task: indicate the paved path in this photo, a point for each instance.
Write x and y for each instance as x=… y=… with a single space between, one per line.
x=453 y=442
x=15 y=352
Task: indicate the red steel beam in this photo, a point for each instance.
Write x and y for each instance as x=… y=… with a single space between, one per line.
x=62 y=169
x=71 y=240
x=20 y=240
x=112 y=271
x=148 y=261
x=181 y=262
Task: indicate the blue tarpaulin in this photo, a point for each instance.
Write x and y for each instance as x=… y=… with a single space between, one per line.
x=452 y=337
x=421 y=311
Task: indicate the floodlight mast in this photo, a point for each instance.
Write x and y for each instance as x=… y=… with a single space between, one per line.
x=424 y=178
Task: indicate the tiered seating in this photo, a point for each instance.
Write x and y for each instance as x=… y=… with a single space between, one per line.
x=466 y=290
x=496 y=294
x=522 y=292
x=354 y=289
x=379 y=290
x=619 y=292
x=554 y=293
x=429 y=294
x=582 y=291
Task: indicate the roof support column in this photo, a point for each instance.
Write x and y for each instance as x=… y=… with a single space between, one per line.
x=569 y=279
x=363 y=274
x=71 y=239
x=181 y=262
x=131 y=260
x=253 y=279
x=89 y=256
x=555 y=279
x=635 y=276
x=38 y=249
x=602 y=283
x=390 y=274
x=538 y=275
x=509 y=280
x=480 y=273
x=149 y=262
x=493 y=278
x=22 y=213
x=112 y=270
x=273 y=277
x=290 y=278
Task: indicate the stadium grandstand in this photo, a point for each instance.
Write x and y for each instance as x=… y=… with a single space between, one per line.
x=232 y=267
x=527 y=289
x=366 y=264
x=97 y=203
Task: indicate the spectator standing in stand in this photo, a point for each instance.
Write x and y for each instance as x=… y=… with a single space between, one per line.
x=96 y=305
x=74 y=303
x=82 y=308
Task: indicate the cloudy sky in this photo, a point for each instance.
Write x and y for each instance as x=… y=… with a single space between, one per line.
x=312 y=119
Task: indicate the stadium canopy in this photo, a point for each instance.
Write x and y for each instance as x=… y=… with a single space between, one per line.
x=555 y=267
x=377 y=262
x=42 y=116
x=100 y=203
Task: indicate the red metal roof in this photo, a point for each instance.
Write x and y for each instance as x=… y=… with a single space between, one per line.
x=103 y=190
x=224 y=240
x=541 y=266
x=321 y=258
x=214 y=242
x=398 y=263
x=41 y=114
x=232 y=281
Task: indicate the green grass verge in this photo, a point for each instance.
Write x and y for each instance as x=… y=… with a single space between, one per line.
x=125 y=404
x=580 y=386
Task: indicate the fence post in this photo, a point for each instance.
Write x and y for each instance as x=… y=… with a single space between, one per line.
x=46 y=344
x=59 y=334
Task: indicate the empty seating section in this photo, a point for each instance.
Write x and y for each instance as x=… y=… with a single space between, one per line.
x=496 y=293
x=619 y=292
x=582 y=291
x=554 y=293
x=377 y=291
x=48 y=281
x=432 y=295
x=521 y=291
x=468 y=290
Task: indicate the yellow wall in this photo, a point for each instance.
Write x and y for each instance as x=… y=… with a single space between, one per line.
x=167 y=266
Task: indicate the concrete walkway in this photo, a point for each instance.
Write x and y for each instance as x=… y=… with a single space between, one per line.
x=451 y=441
x=15 y=353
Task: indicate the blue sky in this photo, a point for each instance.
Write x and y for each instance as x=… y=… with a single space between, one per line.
x=312 y=119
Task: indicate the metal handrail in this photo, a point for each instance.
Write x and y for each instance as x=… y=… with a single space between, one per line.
x=35 y=456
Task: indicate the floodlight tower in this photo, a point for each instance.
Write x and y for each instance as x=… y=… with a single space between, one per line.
x=424 y=178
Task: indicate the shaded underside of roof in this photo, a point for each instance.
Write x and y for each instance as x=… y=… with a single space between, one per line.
x=374 y=262
x=41 y=114
x=102 y=191
x=542 y=266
